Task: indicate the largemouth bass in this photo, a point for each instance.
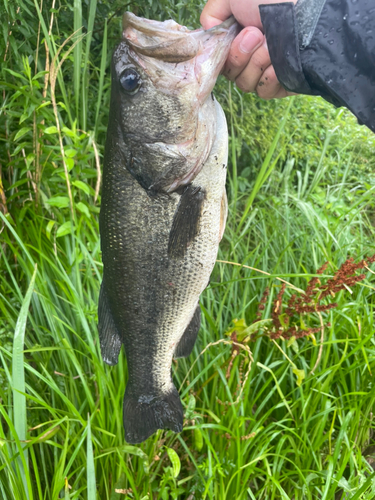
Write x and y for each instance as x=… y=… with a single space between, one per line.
x=163 y=207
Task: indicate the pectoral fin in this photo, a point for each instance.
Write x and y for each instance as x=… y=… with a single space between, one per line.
x=110 y=341
x=186 y=221
x=187 y=341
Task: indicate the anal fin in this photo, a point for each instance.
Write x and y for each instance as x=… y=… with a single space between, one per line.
x=110 y=341
x=187 y=341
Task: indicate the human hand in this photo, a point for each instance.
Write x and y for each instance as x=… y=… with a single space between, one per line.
x=248 y=63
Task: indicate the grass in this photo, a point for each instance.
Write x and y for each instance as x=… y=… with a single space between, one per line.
x=301 y=193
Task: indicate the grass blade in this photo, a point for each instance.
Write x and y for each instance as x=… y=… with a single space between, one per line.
x=90 y=467
x=18 y=375
x=103 y=63
x=77 y=52
x=85 y=77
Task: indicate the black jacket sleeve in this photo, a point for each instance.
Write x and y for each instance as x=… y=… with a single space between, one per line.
x=326 y=48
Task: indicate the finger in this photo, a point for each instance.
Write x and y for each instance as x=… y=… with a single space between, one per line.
x=242 y=48
x=269 y=86
x=214 y=13
x=248 y=79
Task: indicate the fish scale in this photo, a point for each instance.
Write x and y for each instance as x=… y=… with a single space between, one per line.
x=159 y=233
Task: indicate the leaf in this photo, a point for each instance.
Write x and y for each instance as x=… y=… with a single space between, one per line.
x=83 y=208
x=243 y=331
x=313 y=339
x=90 y=467
x=198 y=439
x=300 y=376
x=133 y=450
x=190 y=407
x=68 y=132
x=43 y=105
x=212 y=414
x=69 y=163
x=82 y=186
x=175 y=460
x=59 y=201
x=18 y=376
x=64 y=229
x=70 y=153
x=293 y=344
x=245 y=335
x=284 y=320
x=48 y=434
x=30 y=158
x=291 y=341
x=295 y=347
x=17 y=75
x=23 y=131
x=49 y=227
x=239 y=326
x=40 y=74
x=51 y=130
x=19 y=148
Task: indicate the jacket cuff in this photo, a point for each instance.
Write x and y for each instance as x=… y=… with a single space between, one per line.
x=280 y=28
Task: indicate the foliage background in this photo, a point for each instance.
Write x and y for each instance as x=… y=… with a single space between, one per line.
x=300 y=189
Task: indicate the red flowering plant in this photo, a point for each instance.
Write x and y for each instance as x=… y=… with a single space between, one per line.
x=288 y=319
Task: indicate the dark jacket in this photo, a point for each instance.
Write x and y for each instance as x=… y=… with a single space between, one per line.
x=326 y=48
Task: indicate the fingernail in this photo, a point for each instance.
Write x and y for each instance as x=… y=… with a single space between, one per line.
x=250 y=41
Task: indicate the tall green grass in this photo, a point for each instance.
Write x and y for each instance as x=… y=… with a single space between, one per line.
x=301 y=193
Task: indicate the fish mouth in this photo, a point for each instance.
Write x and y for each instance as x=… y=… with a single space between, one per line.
x=171 y=42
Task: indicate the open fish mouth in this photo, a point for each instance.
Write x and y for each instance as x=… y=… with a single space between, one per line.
x=169 y=42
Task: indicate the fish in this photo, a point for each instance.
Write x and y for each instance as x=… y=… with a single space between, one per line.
x=163 y=207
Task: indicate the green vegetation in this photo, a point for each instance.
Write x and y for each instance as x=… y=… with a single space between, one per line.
x=300 y=188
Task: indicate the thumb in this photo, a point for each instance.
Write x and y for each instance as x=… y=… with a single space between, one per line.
x=215 y=12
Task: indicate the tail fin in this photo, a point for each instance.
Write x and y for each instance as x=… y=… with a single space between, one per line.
x=144 y=415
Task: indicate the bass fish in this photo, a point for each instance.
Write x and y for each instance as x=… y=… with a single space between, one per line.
x=163 y=208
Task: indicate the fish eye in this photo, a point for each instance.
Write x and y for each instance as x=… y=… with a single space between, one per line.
x=130 y=81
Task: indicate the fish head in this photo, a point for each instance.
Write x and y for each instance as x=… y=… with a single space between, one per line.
x=162 y=78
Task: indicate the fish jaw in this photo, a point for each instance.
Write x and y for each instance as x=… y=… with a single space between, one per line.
x=197 y=56
x=171 y=114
